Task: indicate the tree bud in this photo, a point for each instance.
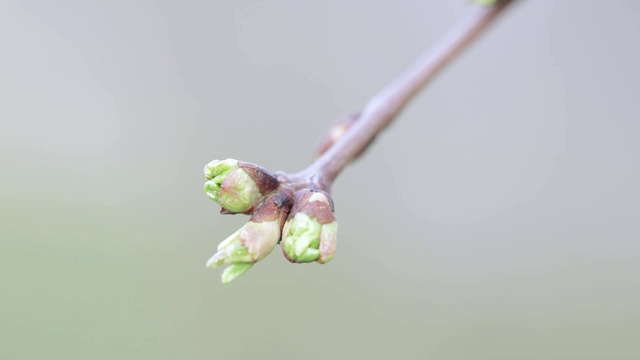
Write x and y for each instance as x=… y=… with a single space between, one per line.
x=238 y=187
x=336 y=132
x=255 y=240
x=310 y=232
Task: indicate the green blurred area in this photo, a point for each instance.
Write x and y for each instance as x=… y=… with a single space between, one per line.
x=497 y=219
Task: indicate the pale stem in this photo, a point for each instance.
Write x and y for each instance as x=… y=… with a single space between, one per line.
x=388 y=103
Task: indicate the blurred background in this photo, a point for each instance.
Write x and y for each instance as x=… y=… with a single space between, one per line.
x=497 y=218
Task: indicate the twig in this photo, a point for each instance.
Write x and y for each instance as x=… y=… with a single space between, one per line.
x=388 y=103
x=296 y=210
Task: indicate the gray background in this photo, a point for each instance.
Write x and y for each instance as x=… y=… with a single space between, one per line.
x=497 y=218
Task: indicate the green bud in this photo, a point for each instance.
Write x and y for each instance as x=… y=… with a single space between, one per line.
x=219 y=168
x=250 y=243
x=216 y=171
x=310 y=233
x=238 y=186
x=255 y=240
x=238 y=192
x=234 y=271
x=302 y=238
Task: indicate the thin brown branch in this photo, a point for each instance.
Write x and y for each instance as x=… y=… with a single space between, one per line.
x=388 y=103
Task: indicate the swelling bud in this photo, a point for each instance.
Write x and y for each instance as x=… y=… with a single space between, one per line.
x=238 y=187
x=310 y=233
x=255 y=240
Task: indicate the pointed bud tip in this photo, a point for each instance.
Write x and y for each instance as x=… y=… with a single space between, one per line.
x=217 y=167
x=234 y=271
x=251 y=243
x=211 y=189
x=230 y=251
x=213 y=261
x=216 y=172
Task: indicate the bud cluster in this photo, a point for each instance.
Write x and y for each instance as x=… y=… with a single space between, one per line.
x=303 y=220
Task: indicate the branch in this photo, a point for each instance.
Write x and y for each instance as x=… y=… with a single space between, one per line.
x=387 y=104
x=296 y=210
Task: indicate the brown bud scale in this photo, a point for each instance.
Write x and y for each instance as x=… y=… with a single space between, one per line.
x=275 y=207
x=317 y=209
x=266 y=182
